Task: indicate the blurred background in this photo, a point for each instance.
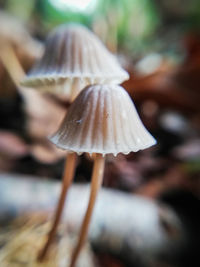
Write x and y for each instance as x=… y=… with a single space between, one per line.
x=158 y=43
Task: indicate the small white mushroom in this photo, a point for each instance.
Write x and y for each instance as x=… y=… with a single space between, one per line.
x=73 y=58
x=102 y=120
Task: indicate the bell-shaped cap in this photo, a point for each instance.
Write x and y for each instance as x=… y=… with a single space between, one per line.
x=102 y=119
x=74 y=52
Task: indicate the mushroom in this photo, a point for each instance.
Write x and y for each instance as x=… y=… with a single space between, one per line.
x=102 y=120
x=74 y=57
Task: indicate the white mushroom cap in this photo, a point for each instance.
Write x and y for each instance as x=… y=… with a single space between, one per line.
x=102 y=119
x=73 y=52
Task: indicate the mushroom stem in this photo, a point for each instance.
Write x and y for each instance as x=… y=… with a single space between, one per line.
x=12 y=64
x=97 y=178
x=67 y=179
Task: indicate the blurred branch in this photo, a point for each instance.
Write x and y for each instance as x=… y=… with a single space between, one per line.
x=131 y=227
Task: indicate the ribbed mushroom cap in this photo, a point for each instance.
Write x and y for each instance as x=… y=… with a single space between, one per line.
x=73 y=52
x=103 y=120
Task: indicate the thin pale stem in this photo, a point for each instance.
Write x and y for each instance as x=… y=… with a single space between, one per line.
x=67 y=179
x=97 y=178
x=12 y=64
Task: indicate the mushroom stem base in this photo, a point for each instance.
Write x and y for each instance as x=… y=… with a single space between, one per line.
x=67 y=179
x=97 y=178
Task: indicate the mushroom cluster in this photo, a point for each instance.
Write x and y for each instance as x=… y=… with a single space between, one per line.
x=102 y=119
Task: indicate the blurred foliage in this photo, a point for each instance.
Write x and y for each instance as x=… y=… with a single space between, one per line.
x=130 y=20
x=134 y=20
x=52 y=16
x=20 y=8
x=131 y=26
